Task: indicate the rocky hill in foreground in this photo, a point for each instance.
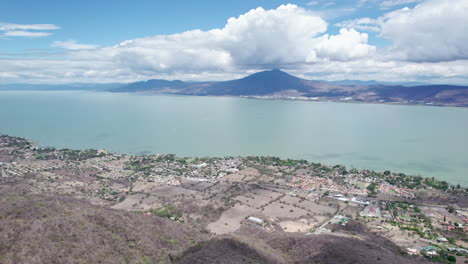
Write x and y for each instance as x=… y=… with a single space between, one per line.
x=38 y=228
x=251 y=246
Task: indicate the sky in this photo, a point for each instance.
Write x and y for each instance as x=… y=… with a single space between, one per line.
x=88 y=41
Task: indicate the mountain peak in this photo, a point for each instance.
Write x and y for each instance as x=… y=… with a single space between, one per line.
x=271 y=74
x=276 y=70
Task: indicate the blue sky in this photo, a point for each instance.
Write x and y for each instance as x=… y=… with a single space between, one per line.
x=110 y=22
x=107 y=41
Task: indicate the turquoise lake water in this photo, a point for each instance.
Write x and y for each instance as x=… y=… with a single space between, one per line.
x=430 y=141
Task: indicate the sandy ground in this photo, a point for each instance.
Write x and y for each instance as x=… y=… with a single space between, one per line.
x=253 y=201
x=303 y=225
x=439 y=213
x=401 y=238
x=309 y=205
x=276 y=211
x=142 y=186
x=138 y=202
x=231 y=219
x=171 y=191
x=267 y=193
x=243 y=175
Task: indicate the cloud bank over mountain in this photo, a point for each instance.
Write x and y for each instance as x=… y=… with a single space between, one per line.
x=426 y=42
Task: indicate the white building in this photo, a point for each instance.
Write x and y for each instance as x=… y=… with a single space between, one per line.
x=256 y=220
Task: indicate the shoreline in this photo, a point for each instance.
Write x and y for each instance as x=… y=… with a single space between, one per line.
x=152 y=154
x=35 y=145
x=253 y=97
x=305 y=99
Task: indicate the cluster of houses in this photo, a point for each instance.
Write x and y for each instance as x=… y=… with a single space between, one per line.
x=216 y=168
x=340 y=220
x=15 y=168
x=341 y=198
x=307 y=182
x=314 y=183
x=431 y=251
x=166 y=171
x=449 y=226
x=373 y=210
x=396 y=191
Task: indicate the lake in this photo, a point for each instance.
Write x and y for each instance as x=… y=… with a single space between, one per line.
x=430 y=141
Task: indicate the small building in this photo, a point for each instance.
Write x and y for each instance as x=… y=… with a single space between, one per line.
x=354 y=200
x=442 y=239
x=411 y=251
x=458 y=250
x=430 y=251
x=387 y=215
x=256 y=220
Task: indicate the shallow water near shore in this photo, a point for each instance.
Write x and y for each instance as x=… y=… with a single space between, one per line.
x=430 y=141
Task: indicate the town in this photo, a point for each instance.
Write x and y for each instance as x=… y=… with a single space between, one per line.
x=424 y=217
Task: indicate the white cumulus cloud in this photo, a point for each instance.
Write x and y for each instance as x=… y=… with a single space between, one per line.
x=10 y=26
x=72 y=45
x=364 y=24
x=313 y=3
x=24 y=30
x=22 y=33
x=435 y=30
x=432 y=31
x=347 y=45
x=391 y=3
x=259 y=38
x=427 y=44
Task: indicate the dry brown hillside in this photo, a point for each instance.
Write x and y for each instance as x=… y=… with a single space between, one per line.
x=60 y=229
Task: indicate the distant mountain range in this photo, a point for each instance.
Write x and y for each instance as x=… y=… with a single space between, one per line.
x=59 y=87
x=277 y=84
x=358 y=82
x=274 y=83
